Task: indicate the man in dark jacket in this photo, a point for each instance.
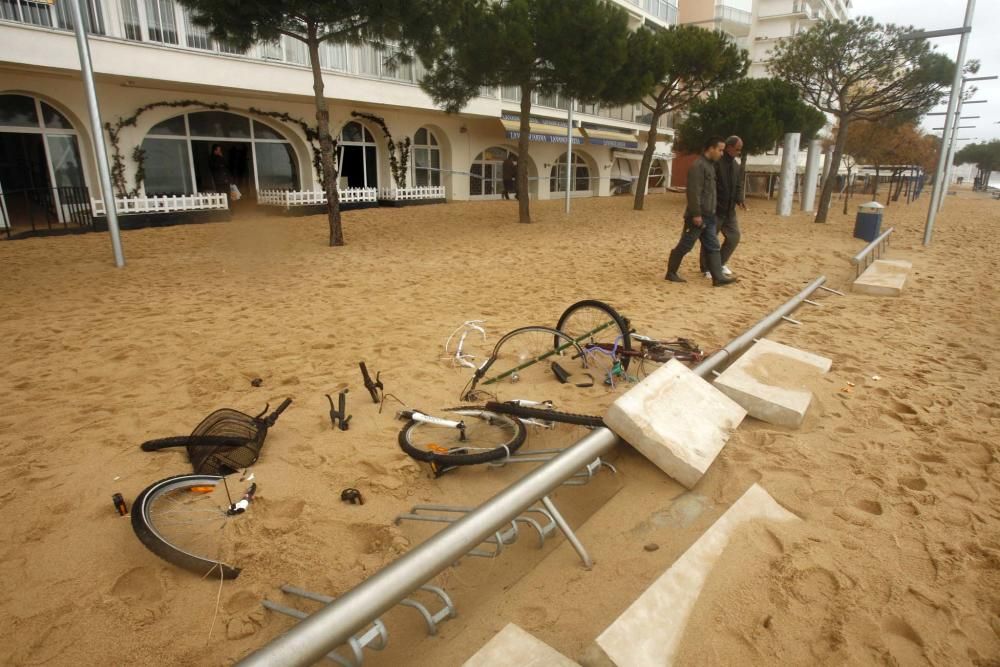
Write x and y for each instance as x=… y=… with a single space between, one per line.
x=699 y=217
x=729 y=189
x=509 y=175
x=219 y=169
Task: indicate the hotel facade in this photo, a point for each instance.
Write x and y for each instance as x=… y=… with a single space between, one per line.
x=171 y=93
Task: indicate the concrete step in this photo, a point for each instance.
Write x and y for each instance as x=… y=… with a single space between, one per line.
x=885 y=277
x=513 y=647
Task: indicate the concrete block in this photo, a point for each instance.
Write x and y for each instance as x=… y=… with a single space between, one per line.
x=513 y=647
x=885 y=277
x=771 y=382
x=677 y=420
x=649 y=632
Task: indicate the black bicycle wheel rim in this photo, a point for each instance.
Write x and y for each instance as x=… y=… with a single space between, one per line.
x=614 y=326
x=528 y=412
x=490 y=436
x=151 y=528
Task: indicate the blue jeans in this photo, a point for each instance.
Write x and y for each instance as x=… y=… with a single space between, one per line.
x=706 y=234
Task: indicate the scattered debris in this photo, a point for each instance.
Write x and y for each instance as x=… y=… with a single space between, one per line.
x=339 y=414
x=120 y=505
x=652 y=546
x=373 y=387
x=876 y=377
x=352 y=496
x=256 y=382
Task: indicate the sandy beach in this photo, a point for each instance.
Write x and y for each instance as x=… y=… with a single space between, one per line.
x=896 y=470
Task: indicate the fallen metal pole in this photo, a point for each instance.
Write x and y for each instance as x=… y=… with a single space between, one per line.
x=333 y=625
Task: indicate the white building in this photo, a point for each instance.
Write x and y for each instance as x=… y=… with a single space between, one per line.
x=179 y=92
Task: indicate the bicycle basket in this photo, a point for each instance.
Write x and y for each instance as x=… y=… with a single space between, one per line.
x=215 y=459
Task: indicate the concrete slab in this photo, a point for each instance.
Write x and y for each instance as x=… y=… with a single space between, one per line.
x=513 y=647
x=771 y=381
x=649 y=632
x=677 y=420
x=885 y=277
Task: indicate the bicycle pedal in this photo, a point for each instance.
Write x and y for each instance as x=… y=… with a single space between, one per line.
x=561 y=374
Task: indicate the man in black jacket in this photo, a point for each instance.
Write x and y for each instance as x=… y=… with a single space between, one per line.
x=729 y=189
x=699 y=217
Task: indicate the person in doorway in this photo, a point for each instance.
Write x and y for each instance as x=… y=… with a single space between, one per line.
x=699 y=217
x=729 y=195
x=220 y=170
x=509 y=174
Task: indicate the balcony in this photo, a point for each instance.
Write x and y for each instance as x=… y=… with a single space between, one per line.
x=660 y=9
x=732 y=20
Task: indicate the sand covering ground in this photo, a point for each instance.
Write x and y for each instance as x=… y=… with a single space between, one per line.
x=898 y=479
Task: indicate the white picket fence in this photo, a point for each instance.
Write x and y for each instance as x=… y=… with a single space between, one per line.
x=409 y=194
x=290 y=198
x=208 y=201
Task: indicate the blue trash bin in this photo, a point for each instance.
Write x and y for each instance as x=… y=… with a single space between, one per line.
x=868 y=224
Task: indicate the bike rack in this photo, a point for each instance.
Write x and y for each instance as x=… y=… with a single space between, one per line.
x=872 y=250
x=375 y=637
x=544 y=455
x=333 y=625
x=549 y=512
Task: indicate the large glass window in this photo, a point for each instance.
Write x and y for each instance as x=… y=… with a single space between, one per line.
x=256 y=156
x=357 y=157
x=65 y=155
x=18 y=111
x=426 y=158
x=487 y=172
x=161 y=21
x=168 y=167
x=580 y=173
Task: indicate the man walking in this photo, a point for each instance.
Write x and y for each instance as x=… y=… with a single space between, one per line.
x=509 y=174
x=699 y=217
x=729 y=195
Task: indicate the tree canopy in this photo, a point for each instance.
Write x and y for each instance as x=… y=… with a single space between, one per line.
x=760 y=111
x=860 y=70
x=985 y=155
x=311 y=22
x=576 y=48
x=682 y=63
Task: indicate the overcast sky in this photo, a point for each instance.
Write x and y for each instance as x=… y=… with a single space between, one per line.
x=984 y=44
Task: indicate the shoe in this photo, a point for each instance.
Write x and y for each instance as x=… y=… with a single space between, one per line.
x=726 y=271
x=674 y=278
x=708 y=274
x=719 y=279
x=722 y=282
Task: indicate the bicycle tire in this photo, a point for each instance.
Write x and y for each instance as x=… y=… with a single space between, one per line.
x=528 y=412
x=193 y=441
x=410 y=444
x=620 y=324
x=148 y=531
x=483 y=377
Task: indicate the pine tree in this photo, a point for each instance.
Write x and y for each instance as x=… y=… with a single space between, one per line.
x=860 y=70
x=576 y=48
x=312 y=23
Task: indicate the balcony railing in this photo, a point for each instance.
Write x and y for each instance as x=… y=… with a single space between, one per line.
x=732 y=14
x=166 y=23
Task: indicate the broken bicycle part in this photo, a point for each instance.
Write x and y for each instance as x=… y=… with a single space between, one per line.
x=338 y=416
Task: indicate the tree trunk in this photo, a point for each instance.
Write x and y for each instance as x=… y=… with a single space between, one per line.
x=647 y=160
x=899 y=185
x=523 y=197
x=875 y=185
x=847 y=190
x=329 y=175
x=831 y=179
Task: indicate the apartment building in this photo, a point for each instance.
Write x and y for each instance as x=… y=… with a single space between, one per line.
x=172 y=93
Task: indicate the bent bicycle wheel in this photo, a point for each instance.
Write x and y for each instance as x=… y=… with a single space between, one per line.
x=524 y=357
x=184 y=520
x=595 y=324
x=488 y=436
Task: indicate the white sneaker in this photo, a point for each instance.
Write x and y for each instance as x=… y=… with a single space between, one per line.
x=708 y=274
x=726 y=271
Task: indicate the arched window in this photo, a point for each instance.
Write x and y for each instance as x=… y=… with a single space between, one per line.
x=581 y=175
x=357 y=157
x=179 y=155
x=39 y=160
x=426 y=158
x=487 y=172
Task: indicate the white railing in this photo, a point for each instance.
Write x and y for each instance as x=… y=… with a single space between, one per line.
x=409 y=194
x=209 y=201
x=290 y=198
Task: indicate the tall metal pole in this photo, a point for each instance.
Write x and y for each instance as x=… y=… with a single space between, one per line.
x=87 y=70
x=569 y=156
x=950 y=118
x=951 y=146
